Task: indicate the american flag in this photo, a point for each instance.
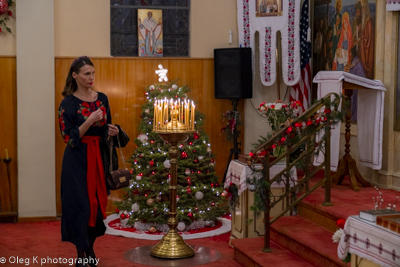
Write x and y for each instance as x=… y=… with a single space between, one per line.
x=301 y=90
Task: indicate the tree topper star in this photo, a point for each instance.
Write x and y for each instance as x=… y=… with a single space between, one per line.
x=162 y=73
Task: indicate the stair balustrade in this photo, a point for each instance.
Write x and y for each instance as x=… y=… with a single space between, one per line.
x=311 y=139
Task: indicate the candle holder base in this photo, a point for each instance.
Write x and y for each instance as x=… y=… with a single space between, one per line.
x=172 y=246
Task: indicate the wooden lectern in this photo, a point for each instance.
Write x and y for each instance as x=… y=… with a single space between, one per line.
x=338 y=81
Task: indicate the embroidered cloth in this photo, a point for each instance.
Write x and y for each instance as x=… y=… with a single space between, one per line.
x=238 y=173
x=267 y=22
x=369 y=241
x=392 y=5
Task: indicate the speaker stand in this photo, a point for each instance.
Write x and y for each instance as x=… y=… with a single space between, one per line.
x=235 y=151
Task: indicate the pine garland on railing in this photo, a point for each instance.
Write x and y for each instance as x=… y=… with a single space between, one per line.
x=291 y=136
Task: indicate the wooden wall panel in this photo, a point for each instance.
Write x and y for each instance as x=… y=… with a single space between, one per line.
x=124 y=81
x=8 y=137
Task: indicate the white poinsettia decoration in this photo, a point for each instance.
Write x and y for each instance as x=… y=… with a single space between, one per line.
x=337 y=235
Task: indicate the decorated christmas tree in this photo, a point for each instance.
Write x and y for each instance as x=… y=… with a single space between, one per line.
x=200 y=198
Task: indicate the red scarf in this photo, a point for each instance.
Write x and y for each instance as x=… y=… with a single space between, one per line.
x=95 y=179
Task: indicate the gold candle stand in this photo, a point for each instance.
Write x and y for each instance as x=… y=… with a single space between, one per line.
x=173 y=121
x=172 y=245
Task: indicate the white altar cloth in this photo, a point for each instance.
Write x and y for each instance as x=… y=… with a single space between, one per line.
x=238 y=172
x=370 y=105
x=369 y=241
x=392 y=5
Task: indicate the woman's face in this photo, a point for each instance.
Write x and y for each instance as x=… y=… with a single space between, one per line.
x=345 y=25
x=85 y=78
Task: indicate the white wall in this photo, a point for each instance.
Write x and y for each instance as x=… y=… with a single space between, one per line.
x=35 y=108
x=89 y=32
x=82 y=28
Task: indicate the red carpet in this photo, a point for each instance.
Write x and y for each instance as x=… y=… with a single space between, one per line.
x=30 y=242
x=347 y=202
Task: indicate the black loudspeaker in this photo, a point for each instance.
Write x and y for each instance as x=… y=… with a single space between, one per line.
x=233 y=73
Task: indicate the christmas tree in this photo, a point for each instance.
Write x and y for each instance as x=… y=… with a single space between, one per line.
x=200 y=198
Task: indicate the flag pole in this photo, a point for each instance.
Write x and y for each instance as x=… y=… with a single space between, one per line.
x=278 y=82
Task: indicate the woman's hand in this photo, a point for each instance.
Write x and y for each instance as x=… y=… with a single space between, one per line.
x=96 y=116
x=112 y=130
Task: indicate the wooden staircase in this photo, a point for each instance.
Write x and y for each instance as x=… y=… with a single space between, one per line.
x=306 y=236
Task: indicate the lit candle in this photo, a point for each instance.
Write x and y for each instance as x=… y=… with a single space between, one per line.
x=161 y=114
x=193 y=108
x=7 y=154
x=183 y=112
x=159 y=117
x=187 y=114
x=165 y=118
x=179 y=111
x=155 y=115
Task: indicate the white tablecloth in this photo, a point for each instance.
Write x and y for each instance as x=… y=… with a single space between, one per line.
x=238 y=172
x=369 y=241
x=370 y=109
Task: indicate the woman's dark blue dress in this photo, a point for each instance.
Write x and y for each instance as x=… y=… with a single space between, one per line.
x=74 y=196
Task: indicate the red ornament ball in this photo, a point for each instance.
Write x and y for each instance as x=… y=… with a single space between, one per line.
x=184 y=155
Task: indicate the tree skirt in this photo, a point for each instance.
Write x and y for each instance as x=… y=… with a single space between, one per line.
x=114 y=227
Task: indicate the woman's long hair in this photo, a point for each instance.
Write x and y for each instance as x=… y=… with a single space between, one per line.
x=70 y=84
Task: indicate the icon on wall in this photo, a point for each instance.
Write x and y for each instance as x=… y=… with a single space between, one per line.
x=150 y=37
x=268 y=8
x=344 y=36
x=344 y=39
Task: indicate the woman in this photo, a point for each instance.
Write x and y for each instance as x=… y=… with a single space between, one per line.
x=84 y=116
x=342 y=58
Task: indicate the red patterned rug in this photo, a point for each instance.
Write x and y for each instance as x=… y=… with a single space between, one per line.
x=114 y=227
